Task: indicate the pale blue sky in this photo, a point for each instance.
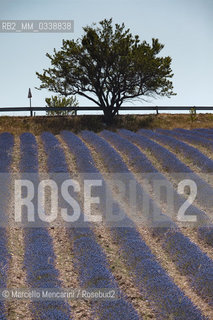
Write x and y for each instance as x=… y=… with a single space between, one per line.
x=185 y=27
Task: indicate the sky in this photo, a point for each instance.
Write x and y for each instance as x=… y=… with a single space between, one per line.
x=185 y=27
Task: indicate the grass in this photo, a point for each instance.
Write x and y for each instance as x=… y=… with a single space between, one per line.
x=38 y=124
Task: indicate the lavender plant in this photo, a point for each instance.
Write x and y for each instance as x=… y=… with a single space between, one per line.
x=6 y=148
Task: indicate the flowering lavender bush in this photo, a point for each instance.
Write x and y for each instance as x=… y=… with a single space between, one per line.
x=4 y=264
x=28 y=149
x=156 y=285
x=6 y=148
x=56 y=160
x=197 y=157
x=39 y=258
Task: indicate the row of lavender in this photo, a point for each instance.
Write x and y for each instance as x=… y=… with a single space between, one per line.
x=149 y=276
x=6 y=148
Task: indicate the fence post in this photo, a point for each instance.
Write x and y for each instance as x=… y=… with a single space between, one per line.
x=157 y=110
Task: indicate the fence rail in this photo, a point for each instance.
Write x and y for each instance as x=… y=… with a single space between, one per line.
x=126 y=108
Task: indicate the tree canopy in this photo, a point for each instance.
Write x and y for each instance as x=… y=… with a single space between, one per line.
x=108 y=65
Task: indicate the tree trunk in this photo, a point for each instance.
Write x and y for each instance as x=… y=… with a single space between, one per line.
x=108 y=116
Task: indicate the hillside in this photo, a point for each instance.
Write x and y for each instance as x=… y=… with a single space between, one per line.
x=38 y=124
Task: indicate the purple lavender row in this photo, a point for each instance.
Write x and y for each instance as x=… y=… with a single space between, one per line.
x=150 y=277
x=198 y=158
x=208 y=131
x=207 y=134
x=90 y=260
x=195 y=133
x=131 y=246
x=170 y=163
x=6 y=148
x=39 y=259
x=185 y=135
x=143 y=165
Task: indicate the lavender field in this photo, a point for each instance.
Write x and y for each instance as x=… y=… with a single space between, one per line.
x=160 y=270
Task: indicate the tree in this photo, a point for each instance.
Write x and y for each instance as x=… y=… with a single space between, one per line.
x=108 y=66
x=58 y=101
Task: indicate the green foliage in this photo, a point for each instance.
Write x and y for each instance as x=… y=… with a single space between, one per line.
x=108 y=65
x=193 y=114
x=57 y=101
